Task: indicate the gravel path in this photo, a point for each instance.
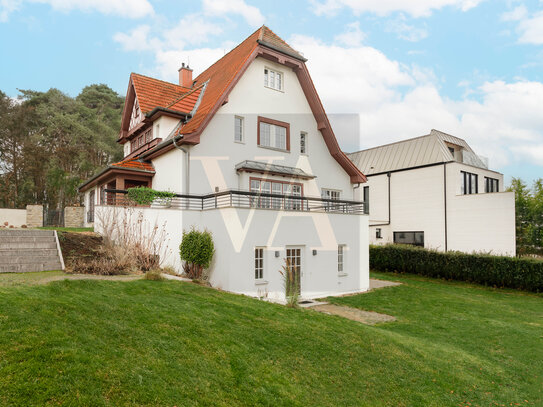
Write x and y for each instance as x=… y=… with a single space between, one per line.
x=355 y=314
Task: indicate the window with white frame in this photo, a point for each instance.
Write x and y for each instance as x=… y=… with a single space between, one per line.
x=259 y=263
x=303 y=143
x=340 y=258
x=273 y=79
x=238 y=129
x=289 y=200
x=332 y=194
x=273 y=136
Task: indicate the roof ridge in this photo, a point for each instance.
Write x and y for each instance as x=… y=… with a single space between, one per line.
x=391 y=144
x=184 y=95
x=229 y=52
x=159 y=80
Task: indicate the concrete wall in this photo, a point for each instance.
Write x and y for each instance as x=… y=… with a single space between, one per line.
x=74 y=216
x=34 y=216
x=483 y=222
x=236 y=233
x=12 y=217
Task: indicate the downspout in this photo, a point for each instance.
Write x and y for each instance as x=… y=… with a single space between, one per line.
x=445 y=200
x=389 y=175
x=187 y=166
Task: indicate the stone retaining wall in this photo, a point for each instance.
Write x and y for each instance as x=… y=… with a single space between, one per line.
x=74 y=216
x=34 y=216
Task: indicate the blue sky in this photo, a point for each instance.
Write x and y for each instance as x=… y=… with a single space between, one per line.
x=472 y=68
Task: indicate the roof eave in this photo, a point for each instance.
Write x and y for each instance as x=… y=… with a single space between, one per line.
x=283 y=51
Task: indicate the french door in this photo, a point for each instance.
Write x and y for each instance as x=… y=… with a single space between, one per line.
x=294 y=259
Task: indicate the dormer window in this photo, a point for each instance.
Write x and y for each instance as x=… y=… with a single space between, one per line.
x=273 y=79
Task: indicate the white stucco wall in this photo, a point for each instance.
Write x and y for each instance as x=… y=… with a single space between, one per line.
x=236 y=233
x=213 y=160
x=483 y=222
x=13 y=217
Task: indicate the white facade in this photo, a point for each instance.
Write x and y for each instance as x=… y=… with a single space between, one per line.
x=237 y=232
x=429 y=199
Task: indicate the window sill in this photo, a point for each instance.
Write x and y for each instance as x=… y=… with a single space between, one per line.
x=274 y=149
x=343 y=274
x=239 y=142
x=282 y=90
x=261 y=282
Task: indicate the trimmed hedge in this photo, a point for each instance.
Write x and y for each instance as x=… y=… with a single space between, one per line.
x=496 y=271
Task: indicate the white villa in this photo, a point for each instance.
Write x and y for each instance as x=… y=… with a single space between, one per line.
x=249 y=151
x=434 y=191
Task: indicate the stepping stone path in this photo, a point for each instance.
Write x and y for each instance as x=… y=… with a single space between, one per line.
x=355 y=314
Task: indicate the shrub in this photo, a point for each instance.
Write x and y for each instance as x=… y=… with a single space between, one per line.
x=197 y=250
x=146 y=196
x=109 y=261
x=154 y=275
x=289 y=282
x=497 y=271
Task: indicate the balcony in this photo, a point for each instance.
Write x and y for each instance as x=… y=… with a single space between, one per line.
x=248 y=200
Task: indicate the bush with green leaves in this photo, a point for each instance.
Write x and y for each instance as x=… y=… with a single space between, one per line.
x=496 y=271
x=146 y=196
x=196 y=250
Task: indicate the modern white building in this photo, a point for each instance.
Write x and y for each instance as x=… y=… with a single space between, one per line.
x=434 y=191
x=249 y=150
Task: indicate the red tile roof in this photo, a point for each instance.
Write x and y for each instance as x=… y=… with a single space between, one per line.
x=152 y=93
x=134 y=164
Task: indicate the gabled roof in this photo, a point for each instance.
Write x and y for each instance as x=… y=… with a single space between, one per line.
x=415 y=152
x=152 y=93
x=219 y=79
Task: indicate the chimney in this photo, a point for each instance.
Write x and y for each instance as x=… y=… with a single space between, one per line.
x=185 y=76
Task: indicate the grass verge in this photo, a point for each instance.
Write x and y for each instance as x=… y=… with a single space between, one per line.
x=99 y=343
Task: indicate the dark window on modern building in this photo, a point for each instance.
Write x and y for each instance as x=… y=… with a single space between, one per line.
x=451 y=149
x=378 y=233
x=469 y=183
x=491 y=184
x=413 y=238
x=366 y=192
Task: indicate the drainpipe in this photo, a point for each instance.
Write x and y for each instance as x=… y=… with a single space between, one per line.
x=389 y=175
x=445 y=200
x=187 y=166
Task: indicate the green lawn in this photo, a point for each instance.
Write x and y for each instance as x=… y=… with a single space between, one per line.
x=62 y=229
x=94 y=343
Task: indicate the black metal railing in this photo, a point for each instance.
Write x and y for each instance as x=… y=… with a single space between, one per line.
x=245 y=199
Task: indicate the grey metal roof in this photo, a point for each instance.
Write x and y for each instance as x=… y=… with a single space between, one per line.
x=414 y=152
x=258 y=166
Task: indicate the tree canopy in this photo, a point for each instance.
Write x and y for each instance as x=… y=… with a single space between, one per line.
x=51 y=142
x=529 y=216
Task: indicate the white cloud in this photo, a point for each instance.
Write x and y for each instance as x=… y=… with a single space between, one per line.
x=251 y=14
x=192 y=29
x=170 y=45
x=7 y=7
x=405 y=31
x=123 y=8
x=500 y=120
x=352 y=37
x=531 y=29
x=416 y=8
x=518 y=13
x=137 y=39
